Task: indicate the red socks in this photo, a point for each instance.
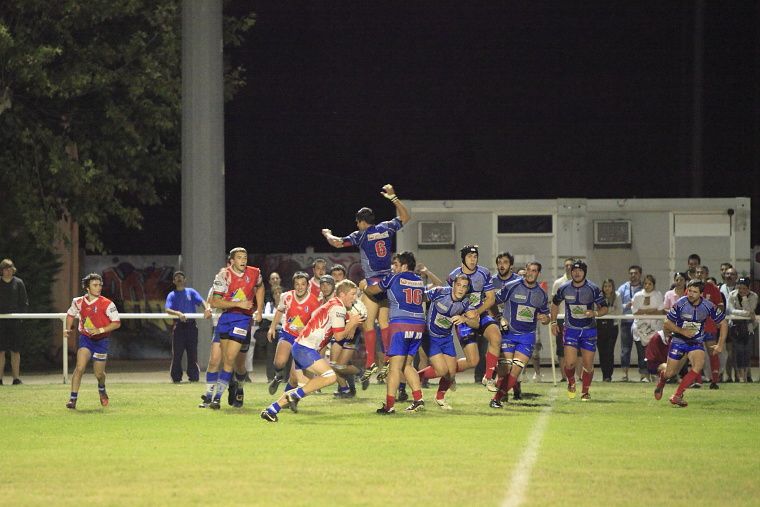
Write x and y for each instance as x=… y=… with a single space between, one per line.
x=715 y=368
x=389 y=402
x=570 y=374
x=417 y=395
x=385 y=336
x=370 y=343
x=443 y=386
x=427 y=373
x=587 y=376
x=688 y=380
x=491 y=362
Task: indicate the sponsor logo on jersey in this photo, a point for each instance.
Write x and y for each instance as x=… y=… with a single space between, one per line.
x=442 y=307
x=411 y=283
x=378 y=235
x=521 y=297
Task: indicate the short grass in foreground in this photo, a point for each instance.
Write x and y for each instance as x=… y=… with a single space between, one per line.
x=152 y=446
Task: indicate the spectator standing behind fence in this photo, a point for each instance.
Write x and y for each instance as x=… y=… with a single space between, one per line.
x=271 y=302
x=560 y=348
x=13 y=299
x=729 y=276
x=180 y=301
x=742 y=302
x=607 y=331
x=648 y=301
x=626 y=293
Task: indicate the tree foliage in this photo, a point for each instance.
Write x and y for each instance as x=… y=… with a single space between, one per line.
x=90 y=110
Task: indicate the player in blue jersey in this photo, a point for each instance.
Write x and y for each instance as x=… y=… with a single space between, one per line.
x=686 y=321
x=483 y=298
x=584 y=302
x=525 y=304
x=405 y=290
x=447 y=307
x=503 y=276
x=375 y=246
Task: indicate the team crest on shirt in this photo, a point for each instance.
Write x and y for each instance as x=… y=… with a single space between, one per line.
x=239 y=295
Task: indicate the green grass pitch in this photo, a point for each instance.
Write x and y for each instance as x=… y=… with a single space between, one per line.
x=153 y=446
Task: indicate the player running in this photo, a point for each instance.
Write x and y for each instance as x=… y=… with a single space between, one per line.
x=483 y=298
x=580 y=295
x=525 y=304
x=326 y=321
x=98 y=317
x=687 y=320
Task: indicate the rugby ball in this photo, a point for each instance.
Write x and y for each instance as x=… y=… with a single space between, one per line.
x=359 y=309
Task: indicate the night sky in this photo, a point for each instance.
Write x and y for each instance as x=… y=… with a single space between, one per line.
x=467 y=100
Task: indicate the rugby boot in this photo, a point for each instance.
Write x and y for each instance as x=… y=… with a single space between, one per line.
x=383 y=373
x=368 y=372
x=205 y=401
x=215 y=405
x=678 y=401
x=496 y=404
x=239 y=397
x=443 y=404
x=274 y=384
x=268 y=417
x=402 y=395
x=103 y=398
x=385 y=411
x=416 y=406
x=232 y=391
x=72 y=404
x=571 y=391
x=292 y=401
x=585 y=397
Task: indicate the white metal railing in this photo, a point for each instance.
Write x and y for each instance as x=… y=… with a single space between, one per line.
x=269 y=316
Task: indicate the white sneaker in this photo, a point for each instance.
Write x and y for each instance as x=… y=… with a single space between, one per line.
x=644 y=379
x=443 y=404
x=491 y=386
x=537 y=377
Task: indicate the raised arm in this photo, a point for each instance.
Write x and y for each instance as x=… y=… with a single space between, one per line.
x=401 y=211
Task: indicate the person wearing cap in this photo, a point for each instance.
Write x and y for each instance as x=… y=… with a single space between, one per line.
x=375 y=242
x=180 y=301
x=13 y=299
x=482 y=297
x=584 y=301
x=742 y=302
x=326 y=288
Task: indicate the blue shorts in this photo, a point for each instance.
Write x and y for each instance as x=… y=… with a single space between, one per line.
x=234 y=326
x=522 y=343
x=434 y=345
x=287 y=337
x=679 y=347
x=580 y=338
x=405 y=338
x=215 y=335
x=466 y=335
x=98 y=348
x=374 y=280
x=304 y=356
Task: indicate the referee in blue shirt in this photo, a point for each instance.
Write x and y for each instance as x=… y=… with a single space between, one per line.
x=180 y=301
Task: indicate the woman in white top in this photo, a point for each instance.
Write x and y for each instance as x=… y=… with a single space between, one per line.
x=648 y=301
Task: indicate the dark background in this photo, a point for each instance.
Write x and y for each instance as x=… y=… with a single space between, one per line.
x=468 y=100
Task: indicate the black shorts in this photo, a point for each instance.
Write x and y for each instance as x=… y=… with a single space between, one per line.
x=10 y=335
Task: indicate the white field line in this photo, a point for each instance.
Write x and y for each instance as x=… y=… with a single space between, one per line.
x=518 y=482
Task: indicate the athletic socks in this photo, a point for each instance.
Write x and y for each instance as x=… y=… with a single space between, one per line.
x=385 y=336
x=222 y=384
x=288 y=387
x=417 y=395
x=491 y=362
x=370 y=344
x=587 y=376
x=570 y=374
x=443 y=386
x=688 y=380
x=714 y=368
x=427 y=373
x=212 y=377
x=389 y=402
x=74 y=395
x=240 y=378
x=101 y=388
x=274 y=408
x=402 y=386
